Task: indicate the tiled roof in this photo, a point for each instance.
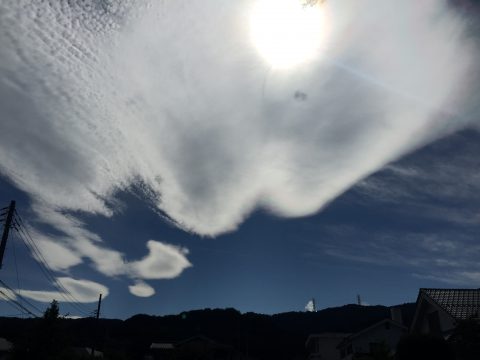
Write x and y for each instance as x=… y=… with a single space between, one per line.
x=459 y=303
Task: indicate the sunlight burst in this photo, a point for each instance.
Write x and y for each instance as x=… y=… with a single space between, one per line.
x=288 y=32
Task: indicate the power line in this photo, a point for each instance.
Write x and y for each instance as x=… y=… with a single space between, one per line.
x=16 y=304
x=47 y=272
x=16 y=293
x=24 y=234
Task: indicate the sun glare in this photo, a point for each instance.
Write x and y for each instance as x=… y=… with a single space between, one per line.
x=288 y=32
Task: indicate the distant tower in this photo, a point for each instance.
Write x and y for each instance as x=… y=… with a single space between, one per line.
x=359 y=300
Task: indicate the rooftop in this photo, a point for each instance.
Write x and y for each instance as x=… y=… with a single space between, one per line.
x=459 y=303
x=161 y=346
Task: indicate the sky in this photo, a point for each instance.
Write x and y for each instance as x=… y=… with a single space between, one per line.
x=177 y=155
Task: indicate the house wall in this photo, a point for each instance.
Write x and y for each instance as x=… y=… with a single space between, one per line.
x=361 y=343
x=325 y=348
x=445 y=321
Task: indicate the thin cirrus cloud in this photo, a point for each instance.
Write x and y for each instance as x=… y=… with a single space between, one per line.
x=438 y=257
x=97 y=97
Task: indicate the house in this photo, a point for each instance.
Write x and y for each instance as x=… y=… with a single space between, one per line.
x=324 y=346
x=381 y=336
x=5 y=348
x=194 y=347
x=438 y=311
x=161 y=350
x=86 y=352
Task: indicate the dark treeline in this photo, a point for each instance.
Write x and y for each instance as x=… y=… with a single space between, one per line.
x=257 y=335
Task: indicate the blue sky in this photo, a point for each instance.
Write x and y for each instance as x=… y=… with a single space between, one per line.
x=396 y=231
x=177 y=155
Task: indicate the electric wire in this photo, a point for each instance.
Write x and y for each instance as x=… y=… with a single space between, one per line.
x=16 y=293
x=47 y=272
x=16 y=304
x=24 y=234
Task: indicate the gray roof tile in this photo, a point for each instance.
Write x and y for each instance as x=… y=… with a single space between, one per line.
x=459 y=303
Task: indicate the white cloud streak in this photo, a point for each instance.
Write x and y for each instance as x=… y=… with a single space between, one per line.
x=448 y=257
x=82 y=291
x=427 y=186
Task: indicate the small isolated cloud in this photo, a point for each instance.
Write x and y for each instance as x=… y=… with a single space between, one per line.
x=82 y=291
x=141 y=289
x=163 y=261
x=74 y=317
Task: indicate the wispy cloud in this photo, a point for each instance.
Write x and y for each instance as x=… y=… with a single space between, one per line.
x=96 y=97
x=82 y=291
x=430 y=186
x=448 y=257
x=455 y=278
x=163 y=261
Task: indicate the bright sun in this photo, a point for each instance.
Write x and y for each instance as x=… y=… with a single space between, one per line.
x=287 y=32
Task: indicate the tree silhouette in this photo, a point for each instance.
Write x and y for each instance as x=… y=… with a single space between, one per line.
x=47 y=340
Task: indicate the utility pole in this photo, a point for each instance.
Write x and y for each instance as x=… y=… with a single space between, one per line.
x=96 y=324
x=6 y=229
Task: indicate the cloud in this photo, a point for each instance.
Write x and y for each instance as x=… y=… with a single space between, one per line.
x=163 y=261
x=68 y=316
x=454 y=278
x=440 y=256
x=400 y=248
x=96 y=97
x=427 y=186
x=58 y=255
x=82 y=291
x=141 y=289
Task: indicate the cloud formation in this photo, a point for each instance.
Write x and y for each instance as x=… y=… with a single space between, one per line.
x=427 y=186
x=447 y=257
x=141 y=289
x=174 y=94
x=98 y=96
x=163 y=261
x=80 y=291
